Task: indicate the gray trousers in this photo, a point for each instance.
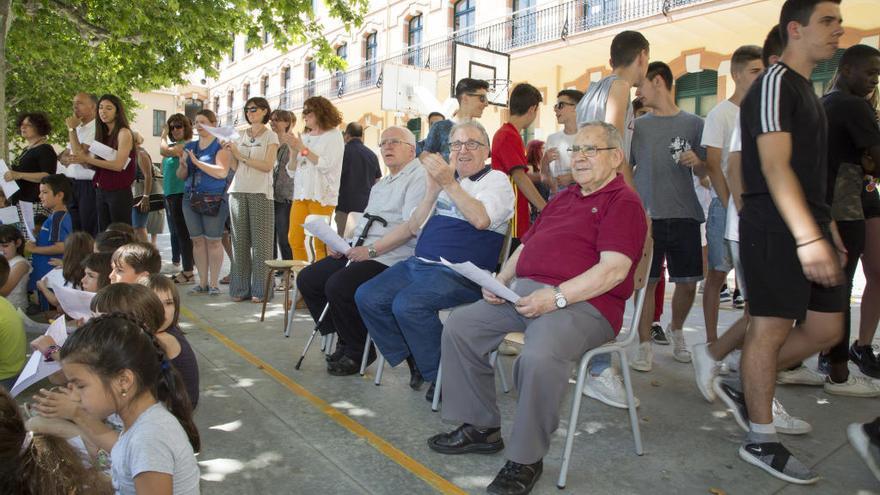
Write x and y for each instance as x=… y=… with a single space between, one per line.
x=553 y=343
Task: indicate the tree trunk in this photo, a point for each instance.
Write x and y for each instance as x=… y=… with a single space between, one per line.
x=5 y=23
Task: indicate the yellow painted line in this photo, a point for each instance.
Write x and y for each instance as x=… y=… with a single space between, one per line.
x=440 y=483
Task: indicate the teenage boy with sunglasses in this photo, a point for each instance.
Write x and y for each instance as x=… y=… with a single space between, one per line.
x=556 y=162
x=472 y=100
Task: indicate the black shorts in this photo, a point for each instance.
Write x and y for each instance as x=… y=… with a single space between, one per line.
x=677 y=240
x=776 y=281
x=870 y=203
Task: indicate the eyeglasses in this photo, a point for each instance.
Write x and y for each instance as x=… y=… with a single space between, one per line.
x=482 y=97
x=252 y=109
x=468 y=145
x=392 y=142
x=175 y=126
x=561 y=104
x=588 y=151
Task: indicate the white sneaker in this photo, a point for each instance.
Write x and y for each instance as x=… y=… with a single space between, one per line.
x=855 y=386
x=645 y=359
x=723 y=369
x=787 y=424
x=607 y=388
x=679 y=347
x=800 y=376
x=705 y=369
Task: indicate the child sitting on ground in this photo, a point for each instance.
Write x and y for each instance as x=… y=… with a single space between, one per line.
x=12 y=248
x=41 y=464
x=68 y=271
x=134 y=262
x=96 y=271
x=171 y=337
x=111 y=240
x=120 y=368
x=12 y=338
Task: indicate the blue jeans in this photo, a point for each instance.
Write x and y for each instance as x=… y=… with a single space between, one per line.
x=401 y=306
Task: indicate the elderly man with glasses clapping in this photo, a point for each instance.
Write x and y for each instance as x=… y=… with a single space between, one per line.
x=467 y=206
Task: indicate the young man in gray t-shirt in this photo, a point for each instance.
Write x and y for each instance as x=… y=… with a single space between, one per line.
x=666 y=154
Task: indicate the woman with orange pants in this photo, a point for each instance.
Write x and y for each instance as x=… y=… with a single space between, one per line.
x=316 y=167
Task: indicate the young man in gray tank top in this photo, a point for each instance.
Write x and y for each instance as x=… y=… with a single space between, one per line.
x=608 y=100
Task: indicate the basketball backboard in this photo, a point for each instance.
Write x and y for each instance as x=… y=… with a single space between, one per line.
x=480 y=63
x=403 y=87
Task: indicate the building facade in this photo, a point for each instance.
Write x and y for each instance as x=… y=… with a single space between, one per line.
x=553 y=44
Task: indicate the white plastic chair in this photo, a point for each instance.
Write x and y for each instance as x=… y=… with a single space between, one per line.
x=619 y=347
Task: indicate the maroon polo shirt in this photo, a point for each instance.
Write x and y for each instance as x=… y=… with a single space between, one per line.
x=571 y=232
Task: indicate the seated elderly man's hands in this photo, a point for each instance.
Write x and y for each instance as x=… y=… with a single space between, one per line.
x=537 y=303
x=442 y=172
x=332 y=253
x=491 y=298
x=359 y=253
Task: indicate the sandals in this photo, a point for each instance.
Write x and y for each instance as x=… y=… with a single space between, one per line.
x=184 y=279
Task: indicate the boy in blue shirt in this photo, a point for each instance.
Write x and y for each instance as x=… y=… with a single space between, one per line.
x=55 y=191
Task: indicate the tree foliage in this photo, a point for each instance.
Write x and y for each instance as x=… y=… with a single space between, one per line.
x=55 y=48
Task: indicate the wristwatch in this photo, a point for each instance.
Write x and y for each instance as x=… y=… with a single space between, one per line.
x=371 y=251
x=561 y=302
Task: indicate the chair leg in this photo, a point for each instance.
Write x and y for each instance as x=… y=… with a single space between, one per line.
x=289 y=325
x=269 y=276
x=630 y=397
x=366 y=355
x=572 y=423
x=380 y=367
x=435 y=404
x=495 y=362
x=286 y=297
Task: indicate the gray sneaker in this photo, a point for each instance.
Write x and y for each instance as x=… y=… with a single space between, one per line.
x=198 y=290
x=774 y=458
x=214 y=291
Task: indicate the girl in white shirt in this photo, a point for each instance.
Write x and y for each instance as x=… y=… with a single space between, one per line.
x=12 y=248
x=316 y=166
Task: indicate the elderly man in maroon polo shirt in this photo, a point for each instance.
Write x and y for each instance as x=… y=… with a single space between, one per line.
x=574 y=271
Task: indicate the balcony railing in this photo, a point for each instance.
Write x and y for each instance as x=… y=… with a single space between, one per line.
x=518 y=30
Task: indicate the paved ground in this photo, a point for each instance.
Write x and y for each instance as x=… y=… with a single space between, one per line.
x=269 y=429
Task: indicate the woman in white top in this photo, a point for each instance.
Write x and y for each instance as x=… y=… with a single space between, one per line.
x=251 y=207
x=316 y=166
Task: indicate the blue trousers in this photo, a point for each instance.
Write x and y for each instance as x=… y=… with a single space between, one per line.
x=400 y=308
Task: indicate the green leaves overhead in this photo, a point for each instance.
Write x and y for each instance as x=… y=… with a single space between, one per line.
x=55 y=48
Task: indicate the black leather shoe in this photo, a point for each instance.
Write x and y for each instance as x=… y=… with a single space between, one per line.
x=415 y=377
x=466 y=439
x=429 y=395
x=345 y=366
x=516 y=479
x=332 y=358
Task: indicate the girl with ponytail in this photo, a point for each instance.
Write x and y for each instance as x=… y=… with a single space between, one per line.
x=115 y=365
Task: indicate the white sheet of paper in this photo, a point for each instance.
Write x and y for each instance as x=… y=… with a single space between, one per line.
x=27 y=214
x=75 y=303
x=9 y=215
x=323 y=231
x=9 y=188
x=37 y=367
x=482 y=278
x=222 y=133
x=101 y=150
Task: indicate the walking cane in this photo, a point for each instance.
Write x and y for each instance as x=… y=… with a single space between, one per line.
x=360 y=241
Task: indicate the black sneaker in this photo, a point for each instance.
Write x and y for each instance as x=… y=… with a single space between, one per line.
x=466 y=439
x=734 y=399
x=332 y=358
x=345 y=366
x=516 y=479
x=658 y=335
x=774 y=458
x=863 y=356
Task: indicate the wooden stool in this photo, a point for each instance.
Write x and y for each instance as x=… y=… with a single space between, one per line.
x=288 y=267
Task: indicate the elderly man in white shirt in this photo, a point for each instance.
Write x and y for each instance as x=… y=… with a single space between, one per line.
x=393 y=198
